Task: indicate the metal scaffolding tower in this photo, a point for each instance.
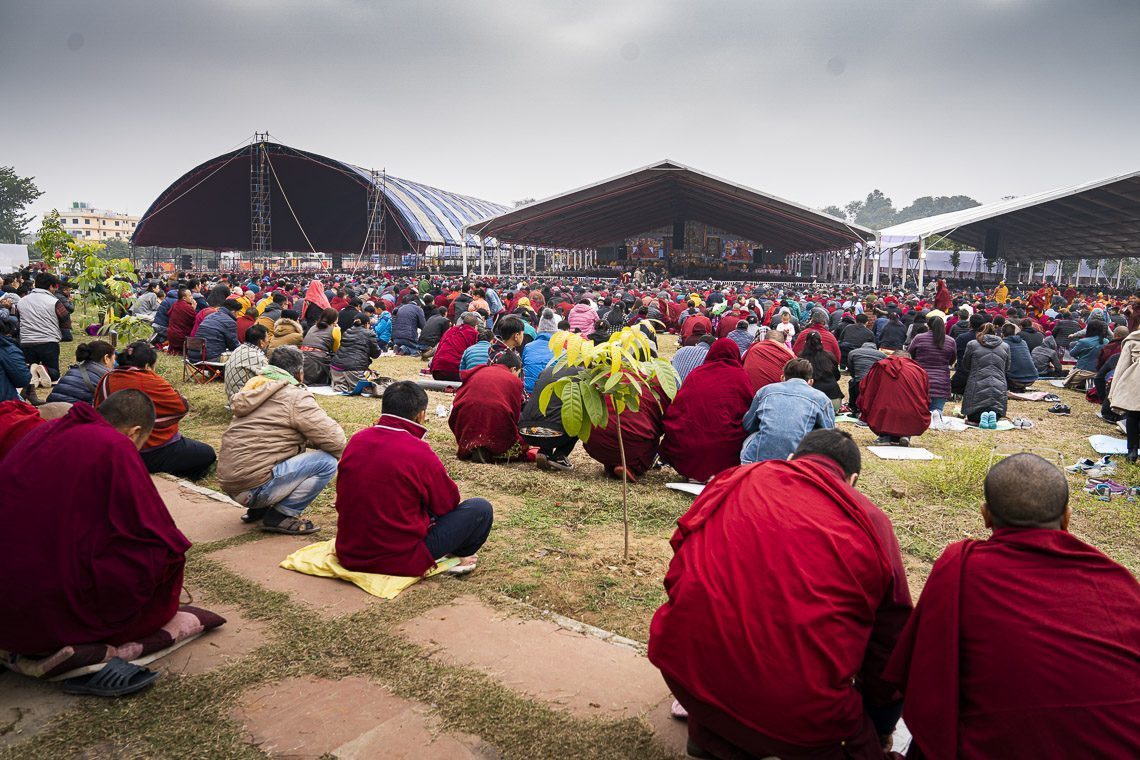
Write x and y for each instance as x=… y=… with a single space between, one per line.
x=261 y=218
x=377 y=237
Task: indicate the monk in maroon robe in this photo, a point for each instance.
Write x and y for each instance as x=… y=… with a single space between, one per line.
x=640 y=432
x=894 y=399
x=786 y=596
x=764 y=361
x=703 y=426
x=485 y=415
x=1025 y=645
x=942 y=300
x=91 y=551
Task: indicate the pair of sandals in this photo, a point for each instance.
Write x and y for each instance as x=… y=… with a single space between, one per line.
x=289 y=525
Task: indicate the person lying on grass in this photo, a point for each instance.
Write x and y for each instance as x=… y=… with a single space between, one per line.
x=281 y=448
x=398 y=511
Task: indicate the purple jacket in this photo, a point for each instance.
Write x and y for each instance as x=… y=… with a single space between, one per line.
x=936 y=361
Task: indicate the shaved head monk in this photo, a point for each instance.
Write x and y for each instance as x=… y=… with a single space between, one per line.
x=101 y=560
x=786 y=596
x=1027 y=644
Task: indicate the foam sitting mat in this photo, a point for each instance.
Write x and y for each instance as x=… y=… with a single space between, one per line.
x=845 y=418
x=1106 y=444
x=320 y=559
x=695 y=489
x=428 y=384
x=1029 y=396
x=903 y=453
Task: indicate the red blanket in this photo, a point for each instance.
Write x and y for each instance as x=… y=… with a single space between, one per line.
x=486 y=410
x=703 y=430
x=101 y=559
x=1025 y=645
x=894 y=397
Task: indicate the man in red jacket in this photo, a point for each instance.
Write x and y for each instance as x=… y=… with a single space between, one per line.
x=786 y=596
x=398 y=511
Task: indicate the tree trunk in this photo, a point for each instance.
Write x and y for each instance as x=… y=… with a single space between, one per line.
x=624 y=486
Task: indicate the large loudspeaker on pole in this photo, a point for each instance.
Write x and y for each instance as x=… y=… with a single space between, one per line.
x=338 y=261
x=622 y=252
x=187 y=261
x=992 y=245
x=757 y=255
x=678 y=236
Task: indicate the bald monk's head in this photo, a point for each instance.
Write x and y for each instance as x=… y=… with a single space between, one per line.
x=131 y=412
x=1026 y=491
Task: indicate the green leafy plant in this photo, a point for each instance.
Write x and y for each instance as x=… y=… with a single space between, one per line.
x=619 y=374
x=52 y=243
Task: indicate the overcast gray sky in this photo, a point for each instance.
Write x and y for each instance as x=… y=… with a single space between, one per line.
x=818 y=102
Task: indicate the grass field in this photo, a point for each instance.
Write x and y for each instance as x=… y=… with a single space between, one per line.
x=557 y=545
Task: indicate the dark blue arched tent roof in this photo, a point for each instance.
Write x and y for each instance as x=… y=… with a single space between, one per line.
x=317 y=202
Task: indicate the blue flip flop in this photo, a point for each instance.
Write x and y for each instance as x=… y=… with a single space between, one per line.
x=117 y=679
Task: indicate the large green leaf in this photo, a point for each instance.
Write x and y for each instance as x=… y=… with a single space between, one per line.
x=667 y=376
x=572 y=409
x=550 y=390
x=595 y=406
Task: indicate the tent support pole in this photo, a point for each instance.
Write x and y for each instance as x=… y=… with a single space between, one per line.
x=1119 y=273
x=921 y=263
x=463 y=243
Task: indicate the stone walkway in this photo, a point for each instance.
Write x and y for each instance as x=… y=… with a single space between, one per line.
x=566 y=665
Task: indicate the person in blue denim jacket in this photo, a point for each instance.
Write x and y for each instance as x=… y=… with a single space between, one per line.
x=783 y=413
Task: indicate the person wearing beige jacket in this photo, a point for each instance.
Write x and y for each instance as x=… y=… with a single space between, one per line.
x=1124 y=391
x=263 y=464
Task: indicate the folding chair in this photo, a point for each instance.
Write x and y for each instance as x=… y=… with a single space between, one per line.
x=196 y=369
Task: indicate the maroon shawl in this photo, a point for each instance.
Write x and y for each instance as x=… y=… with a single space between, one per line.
x=703 y=430
x=1025 y=645
x=17 y=419
x=894 y=396
x=764 y=363
x=785 y=586
x=486 y=410
x=97 y=555
x=640 y=433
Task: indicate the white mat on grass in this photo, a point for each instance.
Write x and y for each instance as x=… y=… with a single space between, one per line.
x=1123 y=427
x=906 y=453
x=1057 y=383
x=429 y=384
x=690 y=488
x=1106 y=444
x=323 y=390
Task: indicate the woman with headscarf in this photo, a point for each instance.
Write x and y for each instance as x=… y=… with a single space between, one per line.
x=703 y=427
x=313 y=304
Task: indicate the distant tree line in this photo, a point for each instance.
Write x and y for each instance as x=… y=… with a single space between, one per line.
x=878 y=211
